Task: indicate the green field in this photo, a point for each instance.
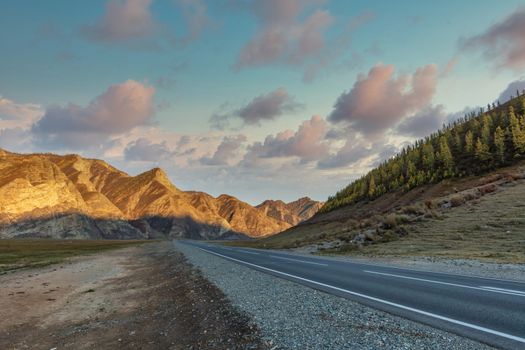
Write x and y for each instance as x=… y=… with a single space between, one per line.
x=23 y=253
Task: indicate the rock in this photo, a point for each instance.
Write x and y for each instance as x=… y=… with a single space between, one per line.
x=52 y=196
x=446 y=205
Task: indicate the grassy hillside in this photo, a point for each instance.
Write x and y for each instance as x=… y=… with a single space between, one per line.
x=470 y=146
x=478 y=217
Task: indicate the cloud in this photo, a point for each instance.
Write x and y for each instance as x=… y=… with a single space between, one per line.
x=268 y=107
x=16 y=139
x=423 y=123
x=449 y=67
x=336 y=48
x=512 y=89
x=378 y=101
x=264 y=107
x=293 y=33
x=119 y=109
x=226 y=151
x=143 y=149
x=283 y=35
x=503 y=43
x=352 y=152
x=13 y=114
x=128 y=22
x=16 y=120
x=307 y=143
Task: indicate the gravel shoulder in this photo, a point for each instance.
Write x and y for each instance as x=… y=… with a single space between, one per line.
x=146 y=297
x=292 y=316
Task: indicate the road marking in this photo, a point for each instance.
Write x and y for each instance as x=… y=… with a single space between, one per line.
x=301 y=261
x=404 y=307
x=247 y=252
x=486 y=289
x=519 y=292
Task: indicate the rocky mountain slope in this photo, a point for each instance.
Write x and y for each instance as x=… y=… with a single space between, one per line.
x=47 y=195
x=292 y=212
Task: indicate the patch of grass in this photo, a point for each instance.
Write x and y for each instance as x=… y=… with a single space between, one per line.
x=23 y=253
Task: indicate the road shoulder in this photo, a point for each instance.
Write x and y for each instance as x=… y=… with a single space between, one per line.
x=293 y=316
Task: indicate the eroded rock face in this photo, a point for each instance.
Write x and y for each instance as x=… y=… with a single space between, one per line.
x=292 y=212
x=46 y=195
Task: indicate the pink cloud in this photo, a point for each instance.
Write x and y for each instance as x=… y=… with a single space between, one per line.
x=503 y=43
x=283 y=36
x=119 y=109
x=123 y=21
x=307 y=143
x=226 y=152
x=380 y=99
x=265 y=107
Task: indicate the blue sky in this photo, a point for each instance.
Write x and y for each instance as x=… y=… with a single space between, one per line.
x=262 y=68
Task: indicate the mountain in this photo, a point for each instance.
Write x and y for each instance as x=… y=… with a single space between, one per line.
x=458 y=192
x=292 y=212
x=48 y=195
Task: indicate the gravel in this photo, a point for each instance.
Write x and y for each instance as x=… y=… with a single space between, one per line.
x=292 y=316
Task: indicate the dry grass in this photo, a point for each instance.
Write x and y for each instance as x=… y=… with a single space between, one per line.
x=22 y=253
x=492 y=229
x=486 y=221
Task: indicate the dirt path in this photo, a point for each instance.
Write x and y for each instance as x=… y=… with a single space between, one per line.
x=145 y=297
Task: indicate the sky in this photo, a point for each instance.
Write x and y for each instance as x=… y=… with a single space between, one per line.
x=260 y=99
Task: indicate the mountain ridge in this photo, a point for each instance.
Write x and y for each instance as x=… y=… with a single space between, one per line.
x=293 y=212
x=42 y=192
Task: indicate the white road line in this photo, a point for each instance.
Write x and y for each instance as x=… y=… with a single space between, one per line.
x=301 y=261
x=494 y=290
x=406 y=268
x=429 y=314
x=247 y=252
x=505 y=290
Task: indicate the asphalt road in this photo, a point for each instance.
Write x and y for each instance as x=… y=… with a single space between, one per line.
x=489 y=310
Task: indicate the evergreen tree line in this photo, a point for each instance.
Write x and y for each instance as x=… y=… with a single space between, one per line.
x=472 y=145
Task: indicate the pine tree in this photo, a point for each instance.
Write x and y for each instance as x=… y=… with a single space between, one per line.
x=371 y=187
x=499 y=143
x=445 y=156
x=481 y=151
x=485 y=129
x=469 y=142
x=518 y=133
x=428 y=156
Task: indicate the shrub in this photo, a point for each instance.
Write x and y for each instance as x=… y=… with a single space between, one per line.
x=430 y=204
x=457 y=200
x=413 y=210
x=390 y=221
x=487 y=189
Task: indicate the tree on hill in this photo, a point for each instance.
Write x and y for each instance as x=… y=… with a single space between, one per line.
x=499 y=143
x=469 y=146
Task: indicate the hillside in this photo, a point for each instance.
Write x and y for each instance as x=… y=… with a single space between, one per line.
x=456 y=193
x=469 y=146
x=292 y=212
x=47 y=195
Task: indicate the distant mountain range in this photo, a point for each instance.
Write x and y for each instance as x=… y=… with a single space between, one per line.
x=47 y=195
x=293 y=212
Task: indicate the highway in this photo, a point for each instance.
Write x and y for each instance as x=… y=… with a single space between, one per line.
x=488 y=310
